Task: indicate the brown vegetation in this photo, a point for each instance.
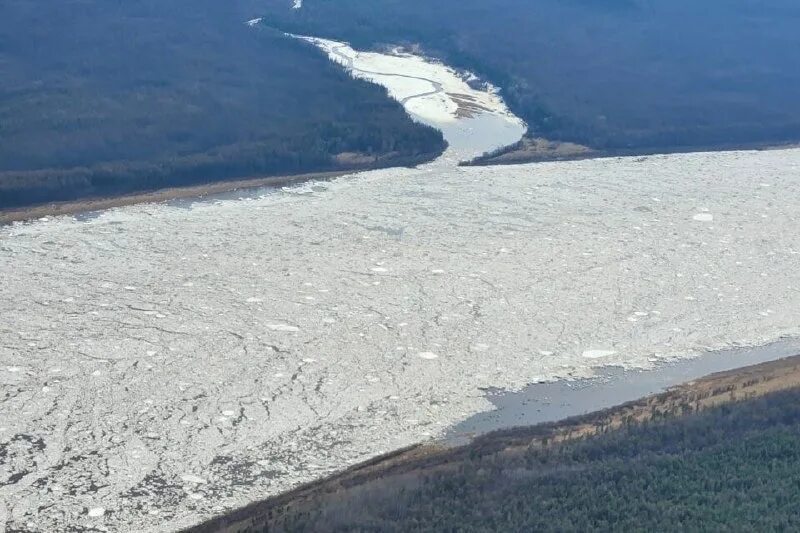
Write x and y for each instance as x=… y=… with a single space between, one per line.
x=535 y=149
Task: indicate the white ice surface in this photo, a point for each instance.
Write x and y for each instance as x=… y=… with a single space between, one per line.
x=252 y=344
x=430 y=91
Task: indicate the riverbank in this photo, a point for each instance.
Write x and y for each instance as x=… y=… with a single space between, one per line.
x=408 y=467
x=8 y=216
x=541 y=150
x=221 y=187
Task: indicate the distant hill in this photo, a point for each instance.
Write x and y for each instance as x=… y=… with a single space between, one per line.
x=103 y=97
x=610 y=74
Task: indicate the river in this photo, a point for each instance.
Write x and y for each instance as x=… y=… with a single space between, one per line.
x=162 y=364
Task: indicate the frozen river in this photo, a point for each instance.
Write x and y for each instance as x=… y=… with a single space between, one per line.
x=159 y=365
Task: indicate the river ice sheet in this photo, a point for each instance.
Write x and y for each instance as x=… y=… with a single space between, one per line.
x=159 y=365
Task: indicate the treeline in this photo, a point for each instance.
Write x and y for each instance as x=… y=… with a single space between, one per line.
x=106 y=97
x=609 y=74
x=730 y=468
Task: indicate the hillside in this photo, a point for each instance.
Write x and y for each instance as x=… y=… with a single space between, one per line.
x=614 y=75
x=101 y=98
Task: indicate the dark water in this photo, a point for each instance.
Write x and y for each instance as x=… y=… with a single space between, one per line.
x=548 y=402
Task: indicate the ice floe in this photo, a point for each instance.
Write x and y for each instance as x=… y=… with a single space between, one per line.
x=191 y=478
x=597 y=353
x=282 y=327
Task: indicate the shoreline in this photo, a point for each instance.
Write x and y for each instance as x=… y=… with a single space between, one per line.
x=522 y=157
x=74 y=207
x=710 y=390
x=10 y=215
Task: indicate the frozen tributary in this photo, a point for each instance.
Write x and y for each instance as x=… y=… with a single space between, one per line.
x=473 y=116
x=159 y=365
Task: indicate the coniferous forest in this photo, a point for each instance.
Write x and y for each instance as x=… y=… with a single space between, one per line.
x=108 y=97
x=731 y=468
x=615 y=75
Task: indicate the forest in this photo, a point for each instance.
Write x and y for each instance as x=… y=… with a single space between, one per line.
x=735 y=467
x=614 y=75
x=103 y=97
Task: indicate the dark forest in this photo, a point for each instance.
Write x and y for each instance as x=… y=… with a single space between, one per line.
x=615 y=75
x=109 y=97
